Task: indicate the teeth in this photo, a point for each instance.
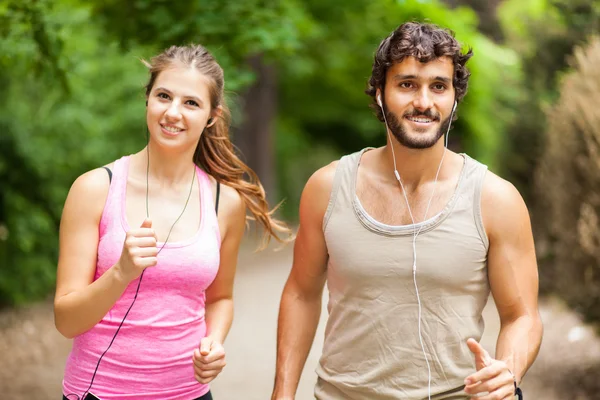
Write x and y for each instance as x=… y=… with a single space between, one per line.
x=421 y=120
x=172 y=129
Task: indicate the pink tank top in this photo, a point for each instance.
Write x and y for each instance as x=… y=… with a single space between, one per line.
x=151 y=357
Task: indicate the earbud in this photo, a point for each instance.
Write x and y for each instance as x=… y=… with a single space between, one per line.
x=450 y=124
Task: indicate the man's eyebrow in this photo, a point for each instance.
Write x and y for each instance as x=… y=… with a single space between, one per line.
x=401 y=77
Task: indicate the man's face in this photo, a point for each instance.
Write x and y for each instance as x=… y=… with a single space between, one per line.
x=418 y=101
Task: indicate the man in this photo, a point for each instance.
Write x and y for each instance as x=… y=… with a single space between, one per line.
x=411 y=238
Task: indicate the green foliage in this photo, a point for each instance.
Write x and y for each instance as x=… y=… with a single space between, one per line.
x=231 y=30
x=70 y=104
x=73 y=95
x=544 y=33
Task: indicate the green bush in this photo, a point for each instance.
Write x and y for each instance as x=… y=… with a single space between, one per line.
x=567 y=188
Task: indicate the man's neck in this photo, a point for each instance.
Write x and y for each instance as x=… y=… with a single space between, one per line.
x=415 y=166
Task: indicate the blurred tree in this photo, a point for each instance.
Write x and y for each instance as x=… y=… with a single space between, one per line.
x=73 y=100
x=27 y=44
x=255 y=136
x=487 y=14
x=567 y=182
x=543 y=32
x=67 y=102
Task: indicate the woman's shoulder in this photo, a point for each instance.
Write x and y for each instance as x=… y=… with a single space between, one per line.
x=231 y=206
x=96 y=180
x=93 y=182
x=231 y=200
x=89 y=191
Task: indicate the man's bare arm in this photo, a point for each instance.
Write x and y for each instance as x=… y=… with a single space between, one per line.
x=513 y=274
x=300 y=306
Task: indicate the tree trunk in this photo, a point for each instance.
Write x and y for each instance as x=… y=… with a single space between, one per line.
x=255 y=136
x=486 y=12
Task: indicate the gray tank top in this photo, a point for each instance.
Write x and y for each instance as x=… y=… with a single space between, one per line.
x=372 y=349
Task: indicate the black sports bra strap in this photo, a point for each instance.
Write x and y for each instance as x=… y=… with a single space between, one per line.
x=217 y=200
x=109 y=173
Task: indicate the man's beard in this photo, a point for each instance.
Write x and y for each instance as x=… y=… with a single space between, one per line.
x=415 y=141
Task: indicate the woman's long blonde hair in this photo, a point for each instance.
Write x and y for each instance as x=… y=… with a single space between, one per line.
x=215 y=153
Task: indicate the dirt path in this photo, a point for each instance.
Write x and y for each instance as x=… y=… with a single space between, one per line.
x=33 y=353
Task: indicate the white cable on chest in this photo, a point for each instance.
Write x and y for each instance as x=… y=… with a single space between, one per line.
x=415 y=231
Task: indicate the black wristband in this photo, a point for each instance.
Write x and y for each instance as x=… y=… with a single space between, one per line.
x=518 y=391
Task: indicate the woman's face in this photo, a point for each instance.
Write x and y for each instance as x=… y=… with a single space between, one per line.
x=178 y=108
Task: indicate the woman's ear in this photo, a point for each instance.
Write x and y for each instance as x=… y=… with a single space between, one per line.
x=213 y=119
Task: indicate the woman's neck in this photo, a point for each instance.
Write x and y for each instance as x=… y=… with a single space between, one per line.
x=167 y=169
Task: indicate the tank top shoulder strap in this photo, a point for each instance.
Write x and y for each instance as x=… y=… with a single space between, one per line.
x=209 y=211
x=473 y=185
x=205 y=191
x=116 y=194
x=344 y=183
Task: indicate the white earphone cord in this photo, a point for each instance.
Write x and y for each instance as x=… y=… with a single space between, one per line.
x=416 y=232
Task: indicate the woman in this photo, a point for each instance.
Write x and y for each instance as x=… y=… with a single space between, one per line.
x=149 y=243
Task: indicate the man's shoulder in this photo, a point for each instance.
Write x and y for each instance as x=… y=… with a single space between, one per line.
x=499 y=190
x=320 y=185
x=502 y=206
x=322 y=179
x=495 y=187
x=324 y=176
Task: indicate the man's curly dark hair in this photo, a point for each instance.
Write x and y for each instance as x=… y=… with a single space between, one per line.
x=425 y=42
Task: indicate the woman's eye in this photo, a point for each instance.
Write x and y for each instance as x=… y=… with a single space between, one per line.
x=162 y=95
x=192 y=103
